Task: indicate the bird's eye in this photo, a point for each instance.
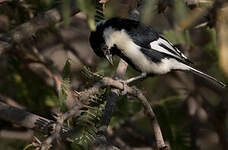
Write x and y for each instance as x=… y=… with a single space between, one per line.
x=104 y=48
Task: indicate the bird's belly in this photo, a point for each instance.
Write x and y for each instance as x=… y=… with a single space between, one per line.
x=143 y=64
x=147 y=66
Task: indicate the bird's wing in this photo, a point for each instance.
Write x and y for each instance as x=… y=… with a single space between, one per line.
x=164 y=46
x=148 y=38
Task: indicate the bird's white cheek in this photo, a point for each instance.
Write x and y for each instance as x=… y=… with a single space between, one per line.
x=119 y=38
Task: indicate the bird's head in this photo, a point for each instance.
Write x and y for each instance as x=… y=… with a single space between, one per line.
x=100 y=41
x=99 y=46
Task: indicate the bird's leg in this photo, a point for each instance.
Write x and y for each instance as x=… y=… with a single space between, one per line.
x=142 y=76
x=125 y=82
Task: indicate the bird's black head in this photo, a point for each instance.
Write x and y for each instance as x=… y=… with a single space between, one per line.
x=99 y=46
x=104 y=29
x=98 y=43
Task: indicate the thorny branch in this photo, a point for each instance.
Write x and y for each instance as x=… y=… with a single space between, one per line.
x=29 y=120
x=56 y=135
x=28 y=29
x=110 y=106
x=15 y=37
x=106 y=81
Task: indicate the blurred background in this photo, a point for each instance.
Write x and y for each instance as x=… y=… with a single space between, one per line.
x=192 y=113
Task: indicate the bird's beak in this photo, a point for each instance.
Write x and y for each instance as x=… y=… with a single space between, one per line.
x=109 y=58
x=107 y=54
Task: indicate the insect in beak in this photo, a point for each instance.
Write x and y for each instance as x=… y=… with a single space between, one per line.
x=107 y=54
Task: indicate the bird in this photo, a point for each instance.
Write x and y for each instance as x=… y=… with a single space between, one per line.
x=141 y=47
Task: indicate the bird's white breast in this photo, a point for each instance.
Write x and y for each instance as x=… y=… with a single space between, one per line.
x=133 y=52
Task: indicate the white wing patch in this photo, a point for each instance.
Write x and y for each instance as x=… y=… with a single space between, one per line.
x=156 y=45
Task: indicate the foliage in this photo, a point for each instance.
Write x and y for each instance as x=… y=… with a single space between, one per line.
x=86 y=124
x=65 y=85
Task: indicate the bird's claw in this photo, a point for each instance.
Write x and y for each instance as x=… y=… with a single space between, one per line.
x=124 y=91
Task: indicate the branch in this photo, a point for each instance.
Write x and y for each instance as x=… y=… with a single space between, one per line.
x=28 y=120
x=28 y=29
x=110 y=106
x=32 y=121
x=56 y=135
x=148 y=109
x=70 y=48
x=117 y=85
x=113 y=95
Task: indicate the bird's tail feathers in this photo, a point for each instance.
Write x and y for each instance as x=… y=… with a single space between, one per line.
x=206 y=76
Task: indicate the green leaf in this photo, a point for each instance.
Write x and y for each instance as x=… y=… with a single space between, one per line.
x=64 y=86
x=88 y=120
x=66 y=71
x=99 y=11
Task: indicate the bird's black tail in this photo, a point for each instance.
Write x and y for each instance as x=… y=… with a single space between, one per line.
x=206 y=76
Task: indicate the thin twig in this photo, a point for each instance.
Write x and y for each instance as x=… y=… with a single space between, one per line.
x=55 y=136
x=28 y=120
x=70 y=48
x=28 y=29
x=110 y=105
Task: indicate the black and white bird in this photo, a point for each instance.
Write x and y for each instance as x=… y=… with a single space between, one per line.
x=141 y=47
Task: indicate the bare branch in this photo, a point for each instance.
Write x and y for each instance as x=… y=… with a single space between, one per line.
x=110 y=106
x=27 y=119
x=70 y=48
x=28 y=29
x=56 y=135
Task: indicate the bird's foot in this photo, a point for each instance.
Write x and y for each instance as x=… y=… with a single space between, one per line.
x=124 y=82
